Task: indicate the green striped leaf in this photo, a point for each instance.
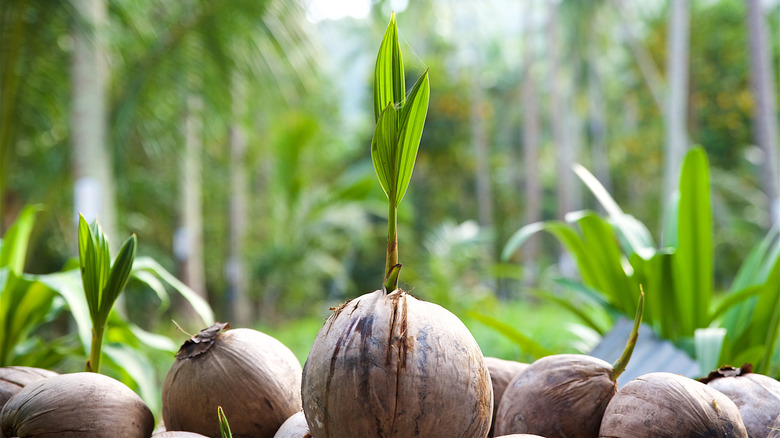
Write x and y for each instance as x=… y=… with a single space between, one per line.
x=389 y=86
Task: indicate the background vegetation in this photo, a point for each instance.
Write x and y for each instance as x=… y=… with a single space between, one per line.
x=236 y=134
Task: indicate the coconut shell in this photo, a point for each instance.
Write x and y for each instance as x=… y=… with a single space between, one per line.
x=13 y=379
x=520 y=435
x=774 y=431
x=757 y=396
x=501 y=373
x=178 y=435
x=254 y=377
x=294 y=427
x=80 y=405
x=393 y=366
x=666 y=405
x=562 y=395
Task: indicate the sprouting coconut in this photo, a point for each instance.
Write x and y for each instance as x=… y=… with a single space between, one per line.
x=294 y=427
x=13 y=379
x=501 y=373
x=80 y=405
x=387 y=364
x=255 y=378
x=757 y=396
x=563 y=395
x=666 y=405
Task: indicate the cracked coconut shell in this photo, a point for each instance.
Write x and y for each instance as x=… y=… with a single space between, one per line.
x=393 y=366
x=757 y=396
x=666 y=405
x=254 y=377
x=79 y=405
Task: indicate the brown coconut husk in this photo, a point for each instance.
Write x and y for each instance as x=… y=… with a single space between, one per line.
x=563 y=395
x=178 y=434
x=393 y=366
x=13 y=379
x=757 y=396
x=254 y=378
x=774 y=431
x=501 y=373
x=666 y=405
x=294 y=427
x=80 y=405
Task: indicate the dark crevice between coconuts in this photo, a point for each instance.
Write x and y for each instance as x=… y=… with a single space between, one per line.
x=727 y=371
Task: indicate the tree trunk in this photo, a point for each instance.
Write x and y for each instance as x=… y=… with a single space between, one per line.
x=533 y=185
x=238 y=298
x=91 y=157
x=677 y=97
x=188 y=244
x=481 y=151
x=765 y=113
x=558 y=118
x=597 y=124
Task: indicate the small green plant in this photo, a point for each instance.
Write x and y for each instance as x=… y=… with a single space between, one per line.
x=102 y=280
x=224 y=427
x=615 y=254
x=399 y=126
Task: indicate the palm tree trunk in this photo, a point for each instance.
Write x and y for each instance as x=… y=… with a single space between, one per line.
x=481 y=151
x=765 y=113
x=597 y=124
x=239 y=303
x=91 y=159
x=188 y=244
x=533 y=185
x=677 y=98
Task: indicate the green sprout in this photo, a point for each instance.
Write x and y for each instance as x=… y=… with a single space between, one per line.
x=103 y=282
x=224 y=427
x=399 y=125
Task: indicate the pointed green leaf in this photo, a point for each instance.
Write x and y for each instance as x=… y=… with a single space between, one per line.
x=693 y=267
x=224 y=427
x=389 y=87
x=413 y=115
x=14 y=244
x=383 y=151
x=118 y=276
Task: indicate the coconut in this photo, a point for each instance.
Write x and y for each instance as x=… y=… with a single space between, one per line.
x=774 y=431
x=501 y=373
x=520 y=435
x=85 y=405
x=563 y=395
x=294 y=427
x=391 y=365
x=178 y=434
x=254 y=377
x=661 y=405
x=13 y=379
x=757 y=396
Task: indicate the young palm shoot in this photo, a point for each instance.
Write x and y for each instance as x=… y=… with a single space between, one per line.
x=387 y=364
x=103 y=282
x=224 y=427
